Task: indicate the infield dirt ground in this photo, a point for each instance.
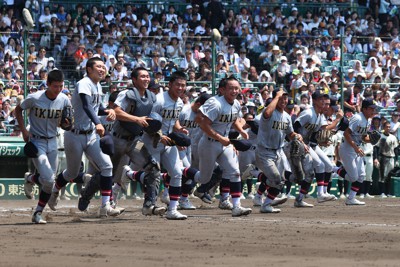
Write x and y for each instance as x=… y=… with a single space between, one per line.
x=330 y=234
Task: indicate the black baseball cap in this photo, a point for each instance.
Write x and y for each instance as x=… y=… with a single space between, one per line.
x=290 y=103
x=319 y=93
x=334 y=104
x=368 y=103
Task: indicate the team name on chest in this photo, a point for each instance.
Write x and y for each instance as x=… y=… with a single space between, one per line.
x=189 y=124
x=361 y=130
x=311 y=126
x=95 y=98
x=280 y=125
x=231 y=117
x=170 y=113
x=47 y=113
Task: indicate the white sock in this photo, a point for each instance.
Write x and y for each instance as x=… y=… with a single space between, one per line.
x=39 y=208
x=130 y=174
x=224 y=196
x=301 y=196
x=320 y=190
x=236 y=202
x=104 y=200
x=352 y=194
x=166 y=190
x=267 y=201
x=325 y=189
x=183 y=198
x=173 y=204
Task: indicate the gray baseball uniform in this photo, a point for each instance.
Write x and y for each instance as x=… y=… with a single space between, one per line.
x=270 y=141
x=187 y=120
x=223 y=115
x=44 y=118
x=353 y=163
x=83 y=137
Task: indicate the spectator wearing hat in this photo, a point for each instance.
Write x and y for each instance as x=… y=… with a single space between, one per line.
x=222 y=66
x=232 y=59
x=243 y=62
x=282 y=73
x=316 y=75
x=372 y=70
x=80 y=54
x=207 y=59
x=188 y=61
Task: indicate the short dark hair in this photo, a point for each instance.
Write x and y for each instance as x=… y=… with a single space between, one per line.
x=202 y=98
x=177 y=75
x=90 y=63
x=55 y=76
x=135 y=72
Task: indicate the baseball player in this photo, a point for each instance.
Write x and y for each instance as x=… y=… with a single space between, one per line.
x=133 y=109
x=275 y=124
x=85 y=136
x=384 y=158
x=368 y=149
x=45 y=108
x=168 y=106
x=215 y=118
x=350 y=151
x=307 y=124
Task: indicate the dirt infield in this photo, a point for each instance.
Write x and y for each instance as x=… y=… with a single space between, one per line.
x=329 y=234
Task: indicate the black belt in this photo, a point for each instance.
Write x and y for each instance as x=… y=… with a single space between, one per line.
x=271 y=149
x=368 y=155
x=212 y=140
x=386 y=156
x=127 y=138
x=42 y=137
x=61 y=149
x=82 y=131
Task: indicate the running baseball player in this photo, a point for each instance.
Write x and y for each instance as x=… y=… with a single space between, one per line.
x=275 y=124
x=215 y=118
x=309 y=122
x=133 y=110
x=85 y=136
x=168 y=106
x=45 y=108
x=350 y=151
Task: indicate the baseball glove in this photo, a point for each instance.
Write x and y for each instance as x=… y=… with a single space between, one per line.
x=296 y=155
x=374 y=137
x=66 y=119
x=323 y=137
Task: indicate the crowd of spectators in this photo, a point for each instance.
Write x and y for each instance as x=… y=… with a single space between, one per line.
x=290 y=44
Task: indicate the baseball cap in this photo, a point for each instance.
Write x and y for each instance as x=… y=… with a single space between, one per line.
x=189 y=7
x=231 y=46
x=368 y=103
x=295 y=72
x=283 y=58
x=318 y=94
x=395 y=113
x=275 y=48
x=277 y=90
x=290 y=103
x=334 y=104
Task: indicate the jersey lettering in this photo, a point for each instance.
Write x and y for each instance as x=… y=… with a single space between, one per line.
x=189 y=124
x=228 y=117
x=95 y=98
x=171 y=113
x=311 y=126
x=280 y=125
x=47 y=113
x=361 y=130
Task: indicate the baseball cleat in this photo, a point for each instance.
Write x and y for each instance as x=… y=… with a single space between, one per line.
x=250 y=196
x=279 y=200
x=153 y=210
x=225 y=204
x=106 y=210
x=83 y=204
x=125 y=180
x=205 y=197
x=240 y=211
x=302 y=204
x=53 y=201
x=325 y=197
x=37 y=218
x=353 y=201
x=28 y=186
x=368 y=196
x=186 y=205
x=257 y=200
x=175 y=215
x=269 y=209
